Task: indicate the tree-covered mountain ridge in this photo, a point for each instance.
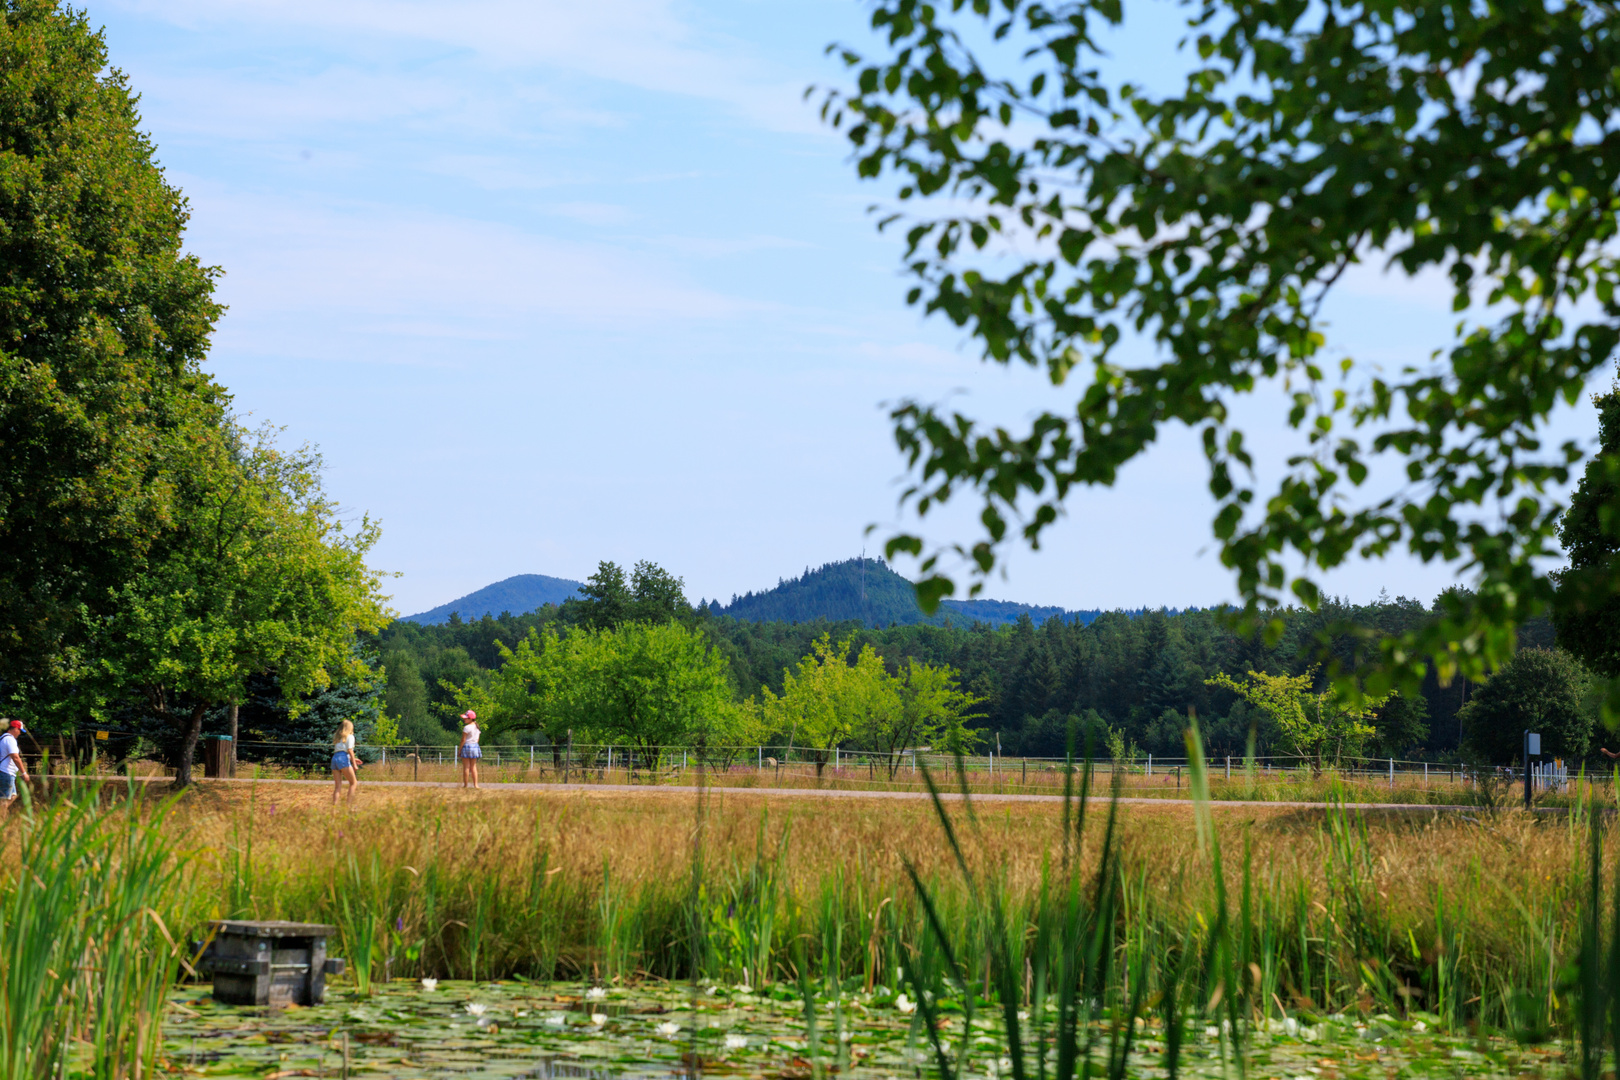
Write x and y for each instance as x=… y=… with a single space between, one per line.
x=861 y=589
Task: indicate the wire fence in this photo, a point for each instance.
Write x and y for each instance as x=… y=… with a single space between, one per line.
x=767 y=765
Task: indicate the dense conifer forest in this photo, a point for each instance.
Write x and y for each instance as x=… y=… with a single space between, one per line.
x=1138 y=674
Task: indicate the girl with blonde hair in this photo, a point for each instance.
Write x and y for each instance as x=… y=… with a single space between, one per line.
x=344 y=761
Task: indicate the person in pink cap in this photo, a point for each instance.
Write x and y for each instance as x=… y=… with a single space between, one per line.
x=468 y=753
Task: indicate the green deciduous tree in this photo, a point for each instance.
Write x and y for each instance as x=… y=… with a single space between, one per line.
x=928 y=709
x=1054 y=212
x=535 y=688
x=1588 y=615
x=104 y=321
x=1538 y=690
x=256 y=576
x=1318 y=726
x=828 y=700
x=650 y=685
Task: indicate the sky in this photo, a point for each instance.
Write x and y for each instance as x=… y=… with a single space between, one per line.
x=556 y=282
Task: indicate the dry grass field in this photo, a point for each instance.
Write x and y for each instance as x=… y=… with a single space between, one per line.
x=1475 y=913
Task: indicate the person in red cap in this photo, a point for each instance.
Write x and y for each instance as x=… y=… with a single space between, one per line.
x=11 y=761
x=468 y=753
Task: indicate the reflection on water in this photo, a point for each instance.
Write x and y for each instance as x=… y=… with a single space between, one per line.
x=564 y=1069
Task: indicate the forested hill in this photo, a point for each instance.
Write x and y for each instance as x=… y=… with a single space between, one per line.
x=866 y=590
x=518 y=595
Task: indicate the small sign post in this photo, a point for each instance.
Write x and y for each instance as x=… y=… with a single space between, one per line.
x=1532 y=748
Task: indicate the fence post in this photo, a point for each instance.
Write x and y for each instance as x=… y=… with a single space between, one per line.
x=1392 y=774
x=1150 y=766
x=531 y=755
x=1229 y=766
x=761 y=750
x=1425 y=776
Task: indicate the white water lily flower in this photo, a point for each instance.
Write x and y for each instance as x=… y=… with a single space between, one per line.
x=905 y=1005
x=1022 y=1015
x=744 y=988
x=1420 y=1026
x=713 y=990
x=596 y=993
x=598 y=1019
x=430 y=985
x=1290 y=1025
x=556 y=1018
x=476 y=1008
x=736 y=1042
x=667 y=1029
x=1212 y=1031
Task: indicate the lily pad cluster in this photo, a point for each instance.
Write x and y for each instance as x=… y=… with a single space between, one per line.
x=439 y=1028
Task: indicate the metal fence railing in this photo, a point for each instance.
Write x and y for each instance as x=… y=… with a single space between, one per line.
x=622 y=762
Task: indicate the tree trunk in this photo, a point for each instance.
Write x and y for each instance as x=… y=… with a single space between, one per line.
x=234 y=707
x=188 y=748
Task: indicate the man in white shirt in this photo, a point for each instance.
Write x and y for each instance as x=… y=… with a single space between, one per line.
x=11 y=761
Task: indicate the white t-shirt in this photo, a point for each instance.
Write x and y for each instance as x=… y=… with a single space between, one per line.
x=345 y=744
x=471 y=731
x=8 y=746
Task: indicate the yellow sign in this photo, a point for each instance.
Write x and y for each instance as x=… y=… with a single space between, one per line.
x=101 y=734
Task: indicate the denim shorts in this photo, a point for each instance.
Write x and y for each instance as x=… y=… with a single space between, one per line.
x=340 y=760
x=8 y=784
x=471 y=751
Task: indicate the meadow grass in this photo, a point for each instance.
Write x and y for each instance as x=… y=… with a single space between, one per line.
x=1469 y=918
x=1071 y=924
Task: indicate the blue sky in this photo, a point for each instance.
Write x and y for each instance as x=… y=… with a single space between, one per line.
x=551 y=283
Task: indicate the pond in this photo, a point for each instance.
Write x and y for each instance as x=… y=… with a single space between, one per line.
x=555 y=1031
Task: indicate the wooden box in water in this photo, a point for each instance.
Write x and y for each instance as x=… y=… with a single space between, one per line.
x=270 y=963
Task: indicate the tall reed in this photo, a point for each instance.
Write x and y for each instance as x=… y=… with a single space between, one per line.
x=90 y=943
x=1470 y=918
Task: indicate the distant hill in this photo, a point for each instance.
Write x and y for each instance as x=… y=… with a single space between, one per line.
x=518 y=595
x=866 y=589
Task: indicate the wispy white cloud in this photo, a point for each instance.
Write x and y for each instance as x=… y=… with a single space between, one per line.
x=714 y=247
x=647 y=44
x=594 y=213
x=347 y=280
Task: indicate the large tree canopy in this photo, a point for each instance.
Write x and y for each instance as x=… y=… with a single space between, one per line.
x=1588 y=616
x=1070 y=212
x=1538 y=690
x=103 y=324
x=258 y=575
